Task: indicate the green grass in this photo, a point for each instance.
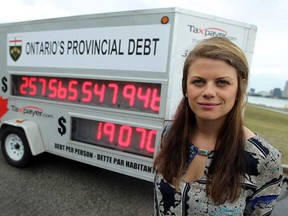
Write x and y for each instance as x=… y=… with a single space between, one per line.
x=271 y=125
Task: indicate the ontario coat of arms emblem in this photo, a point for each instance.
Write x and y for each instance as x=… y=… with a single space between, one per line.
x=15 y=48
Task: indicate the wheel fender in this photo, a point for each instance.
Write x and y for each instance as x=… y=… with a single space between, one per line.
x=31 y=131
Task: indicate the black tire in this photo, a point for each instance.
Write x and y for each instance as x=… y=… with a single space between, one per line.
x=15 y=147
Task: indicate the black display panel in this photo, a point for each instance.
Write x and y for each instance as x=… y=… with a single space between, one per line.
x=120 y=137
x=132 y=96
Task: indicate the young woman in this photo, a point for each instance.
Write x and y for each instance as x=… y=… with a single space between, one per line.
x=209 y=162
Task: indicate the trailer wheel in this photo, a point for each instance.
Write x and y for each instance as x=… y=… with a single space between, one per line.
x=15 y=148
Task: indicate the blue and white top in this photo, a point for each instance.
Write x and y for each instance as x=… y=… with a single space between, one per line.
x=259 y=192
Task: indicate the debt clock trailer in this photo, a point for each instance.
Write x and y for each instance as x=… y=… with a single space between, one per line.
x=100 y=88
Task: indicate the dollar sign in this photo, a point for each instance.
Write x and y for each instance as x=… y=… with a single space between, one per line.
x=62 y=128
x=4 y=83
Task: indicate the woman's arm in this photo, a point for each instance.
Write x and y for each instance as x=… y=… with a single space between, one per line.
x=269 y=182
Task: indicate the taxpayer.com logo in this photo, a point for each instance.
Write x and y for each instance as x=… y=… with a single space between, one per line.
x=215 y=32
x=31 y=110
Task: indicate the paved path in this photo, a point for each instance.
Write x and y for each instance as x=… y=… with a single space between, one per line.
x=55 y=186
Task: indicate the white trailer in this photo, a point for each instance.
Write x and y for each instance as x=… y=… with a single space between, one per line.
x=99 y=88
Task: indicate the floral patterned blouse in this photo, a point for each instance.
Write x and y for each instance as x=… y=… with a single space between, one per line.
x=261 y=188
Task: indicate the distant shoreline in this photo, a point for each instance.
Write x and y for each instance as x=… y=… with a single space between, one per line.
x=269 y=97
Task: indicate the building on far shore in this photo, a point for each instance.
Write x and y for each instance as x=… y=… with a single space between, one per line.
x=285 y=91
x=274 y=93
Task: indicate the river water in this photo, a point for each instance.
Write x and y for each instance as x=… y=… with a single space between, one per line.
x=269 y=102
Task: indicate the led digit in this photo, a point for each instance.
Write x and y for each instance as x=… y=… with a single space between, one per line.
x=144 y=96
x=115 y=92
x=100 y=92
x=72 y=89
x=143 y=137
x=150 y=145
x=129 y=92
x=109 y=130
x=62 y=91
x=24 y=85
x=125 y=133
x=99 y=131
x=155 y=102
x=32 y=86
x=44 y=83
x=53 y=88
x=87 y=91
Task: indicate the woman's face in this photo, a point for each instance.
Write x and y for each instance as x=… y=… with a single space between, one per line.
x=211 y=88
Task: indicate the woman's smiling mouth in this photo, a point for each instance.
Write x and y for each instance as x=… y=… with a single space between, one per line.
x=206 y=105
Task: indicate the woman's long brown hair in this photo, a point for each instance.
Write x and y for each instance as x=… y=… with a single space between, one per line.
x=228 y=164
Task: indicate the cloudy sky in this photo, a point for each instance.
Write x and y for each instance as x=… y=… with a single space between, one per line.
x=269 y=67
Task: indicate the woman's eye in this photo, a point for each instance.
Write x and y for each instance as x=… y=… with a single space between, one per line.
x=222 y=82
x=198 y=82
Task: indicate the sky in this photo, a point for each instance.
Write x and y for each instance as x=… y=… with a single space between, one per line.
x=269 y=68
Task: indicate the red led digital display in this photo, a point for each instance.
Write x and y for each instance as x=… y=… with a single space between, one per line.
x=126 y=138
x=135 y=96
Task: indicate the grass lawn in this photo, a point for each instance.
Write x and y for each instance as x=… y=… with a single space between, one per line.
x=271 y=125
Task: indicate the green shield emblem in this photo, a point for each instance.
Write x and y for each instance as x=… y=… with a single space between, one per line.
x=15 y=52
